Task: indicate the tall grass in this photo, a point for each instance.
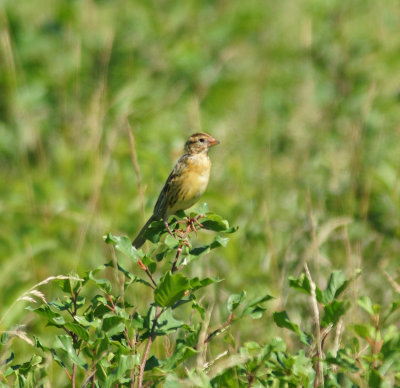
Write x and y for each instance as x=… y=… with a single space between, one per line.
x=303 y=97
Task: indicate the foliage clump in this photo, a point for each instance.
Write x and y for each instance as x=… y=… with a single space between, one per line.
x=150 y=326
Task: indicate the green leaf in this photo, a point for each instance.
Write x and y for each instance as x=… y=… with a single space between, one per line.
x=301 y=283
x=346 y=361
x=333 y=311
x=137 y=321
x=365 y=303
x=181 y=354
x=394 y=306
x=374 y=379
x=96 y=323
x=81 y=332
x=196 y=283
x=364 y=331
x=64 y=342
x=216 y=223
x=52 y=317
x=201 y=310
x=104 y=284
x=254 y=308
x=166 y=322
x=113 y=325
x=170 y=289
x=282 y=320
x=149 y=263
x=151 y=363
x=235 y=300
x=200 y=209
x=124 y=245
x=336 y=285
x=156 y=229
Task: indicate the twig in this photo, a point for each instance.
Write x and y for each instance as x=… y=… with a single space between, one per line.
x=145 y=269
x=136 y=167
x=147 y=350
x=73 y=375
x=220 y=329
x=319 y=368
x=178 y=253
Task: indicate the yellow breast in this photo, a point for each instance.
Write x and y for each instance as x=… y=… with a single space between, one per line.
x=192 y=182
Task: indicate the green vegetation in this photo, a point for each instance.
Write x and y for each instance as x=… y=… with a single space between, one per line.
x=96 y=100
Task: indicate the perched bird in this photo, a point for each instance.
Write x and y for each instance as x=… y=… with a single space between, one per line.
x=186 y=183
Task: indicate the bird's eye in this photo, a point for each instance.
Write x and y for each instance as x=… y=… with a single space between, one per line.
x=201 y=140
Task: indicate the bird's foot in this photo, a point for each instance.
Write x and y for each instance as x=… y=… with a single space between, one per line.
x=193 y=223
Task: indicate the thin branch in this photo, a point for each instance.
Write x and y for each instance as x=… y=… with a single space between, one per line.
x=221 y=329
x=178 y=253
x=145 y=269
x=73 y=375
x=147 y=350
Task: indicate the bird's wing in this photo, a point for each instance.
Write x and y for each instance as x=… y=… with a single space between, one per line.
x=170 y=192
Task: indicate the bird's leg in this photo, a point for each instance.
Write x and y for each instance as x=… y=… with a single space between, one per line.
x=196 y=220
x=168 y=228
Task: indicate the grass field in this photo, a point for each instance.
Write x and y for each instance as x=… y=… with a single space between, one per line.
x=303 y=96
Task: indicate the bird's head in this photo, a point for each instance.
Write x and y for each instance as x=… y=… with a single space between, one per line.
x=199 y=142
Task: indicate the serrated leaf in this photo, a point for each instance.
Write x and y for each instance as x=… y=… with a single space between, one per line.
x=170 y=289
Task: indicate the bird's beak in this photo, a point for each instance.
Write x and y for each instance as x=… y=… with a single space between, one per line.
x=213 y=142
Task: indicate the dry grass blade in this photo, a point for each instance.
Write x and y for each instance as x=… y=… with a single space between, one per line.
x=20 y=334
x=319 y=378
x=27 y=295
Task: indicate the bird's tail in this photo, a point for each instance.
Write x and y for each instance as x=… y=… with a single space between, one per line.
x=140 y=240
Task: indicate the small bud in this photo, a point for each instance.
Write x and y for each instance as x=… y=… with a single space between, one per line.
x=141 y=265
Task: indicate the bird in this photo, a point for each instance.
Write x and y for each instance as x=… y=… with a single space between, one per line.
x=185 y=184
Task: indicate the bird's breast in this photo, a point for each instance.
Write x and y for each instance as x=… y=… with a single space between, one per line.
x=198 y=174
x=191 y=184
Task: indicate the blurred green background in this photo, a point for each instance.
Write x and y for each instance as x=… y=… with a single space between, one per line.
x=304 y=97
